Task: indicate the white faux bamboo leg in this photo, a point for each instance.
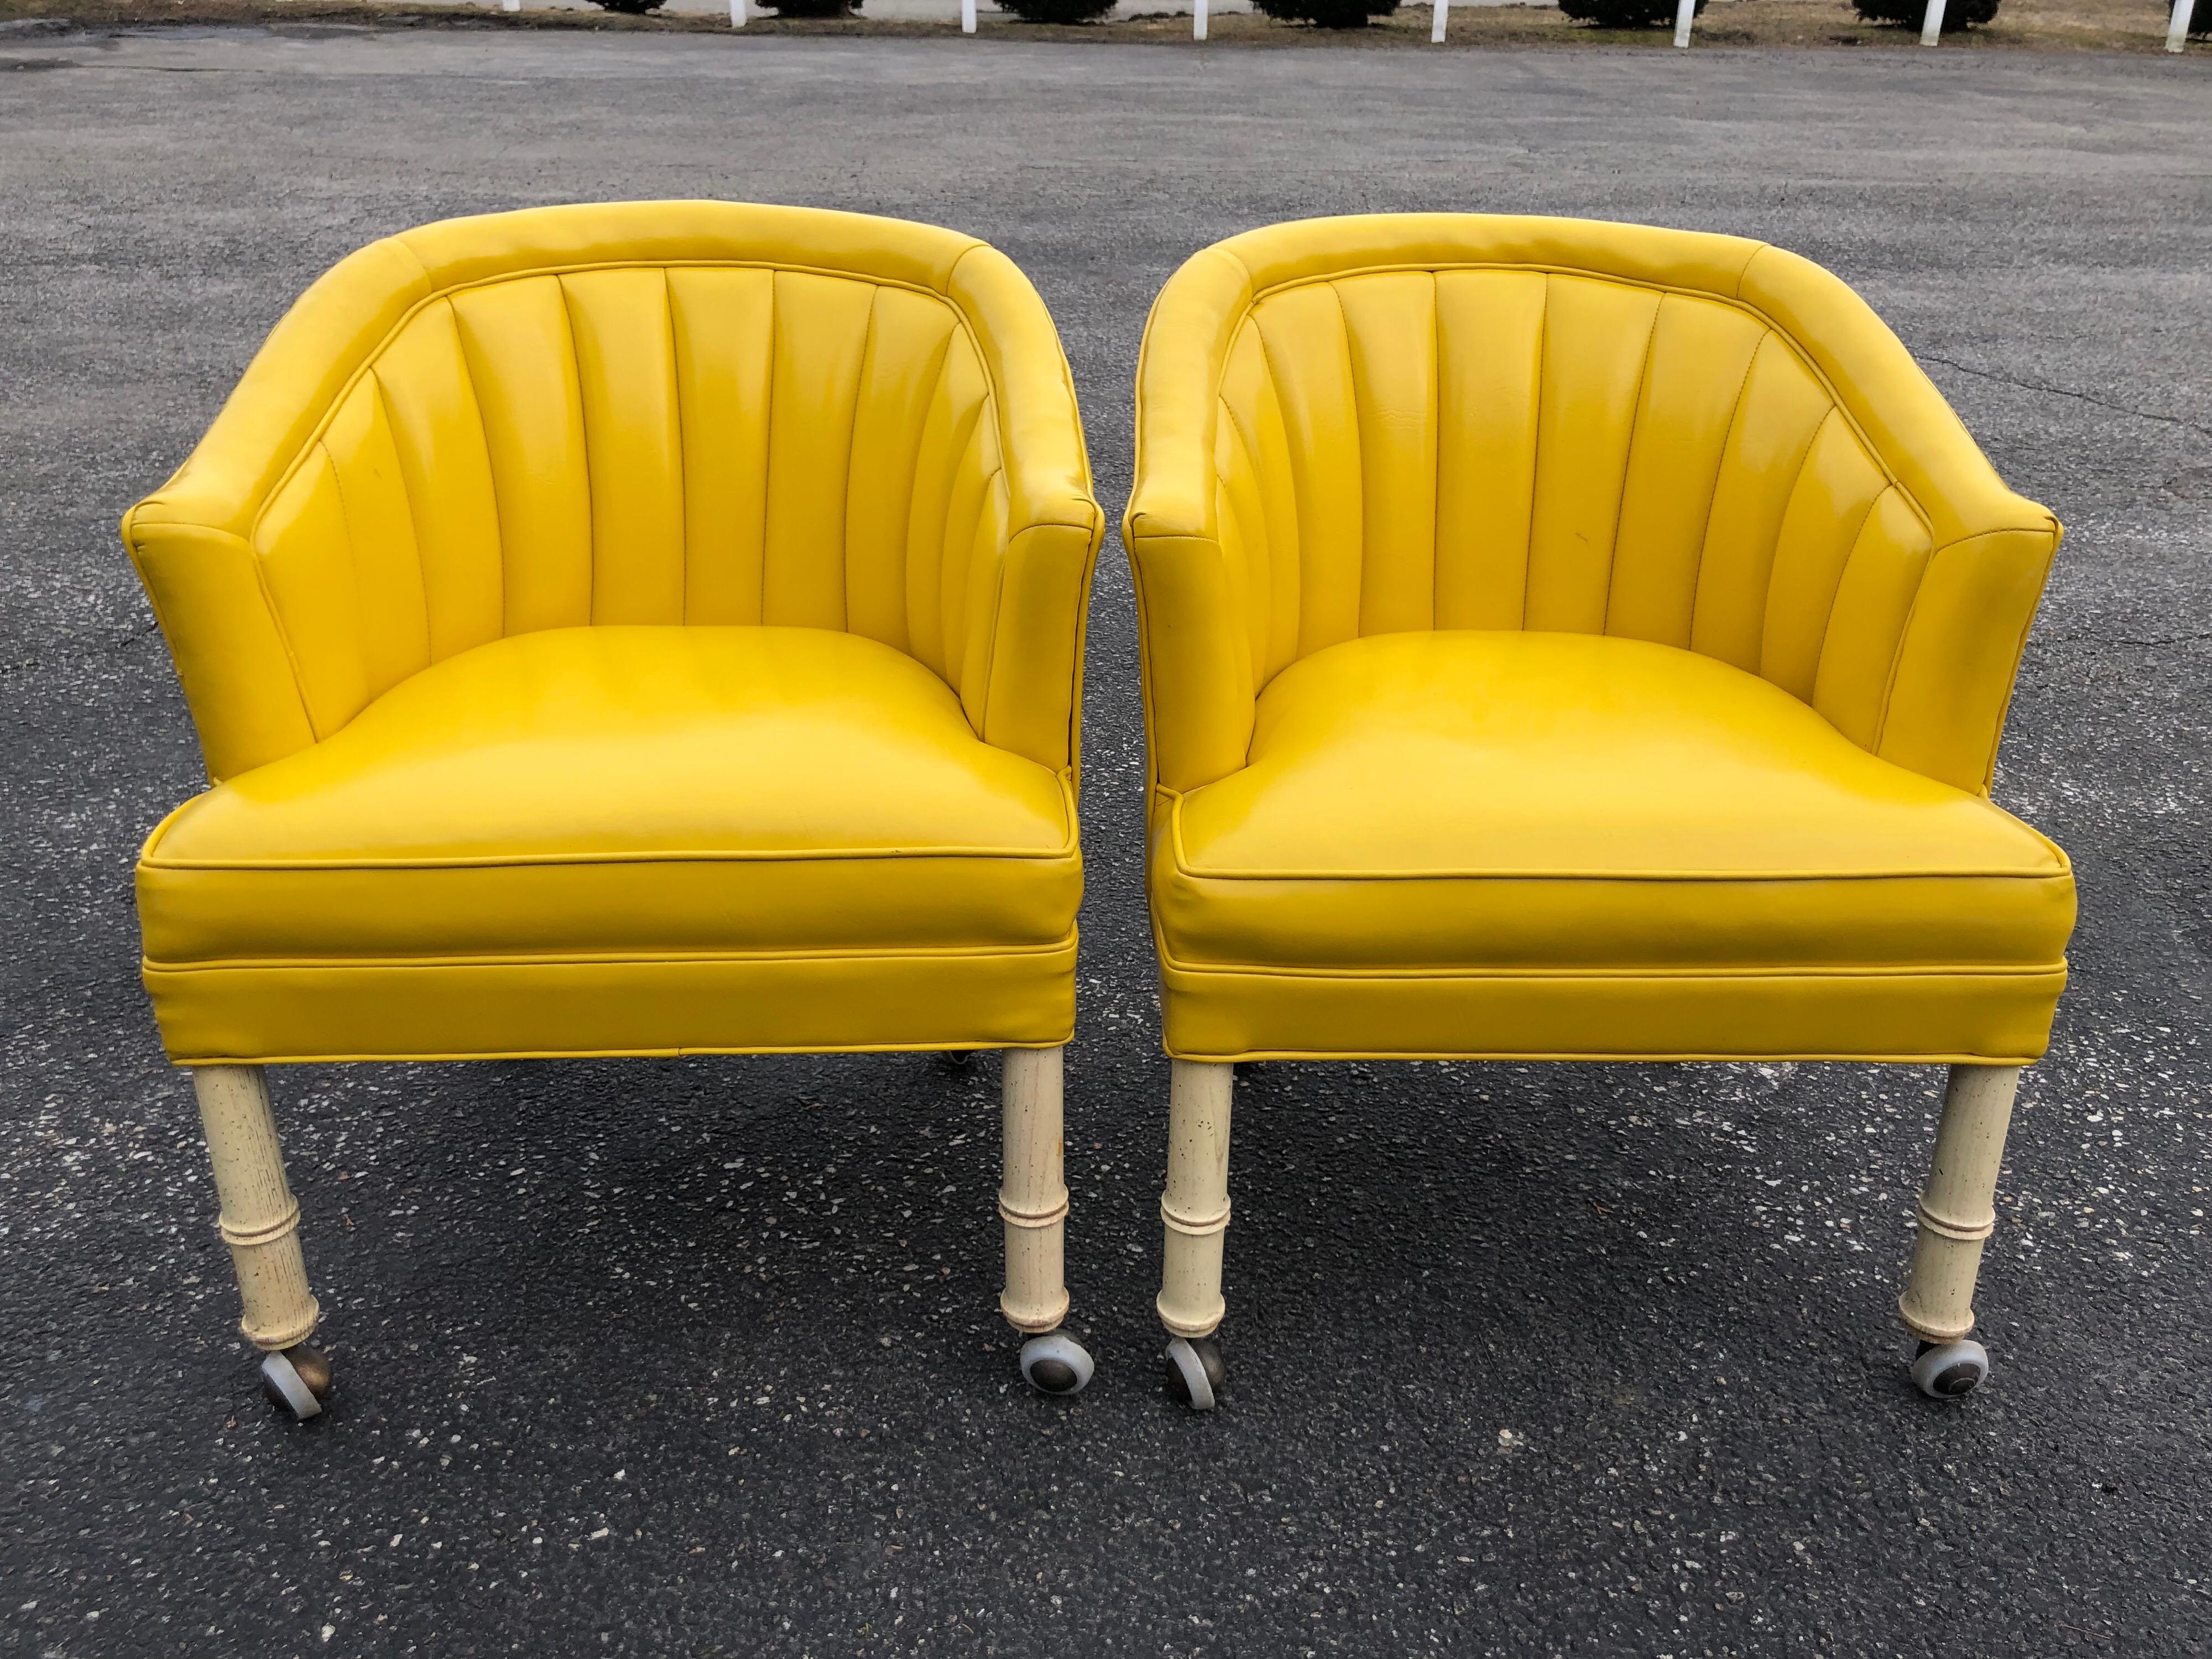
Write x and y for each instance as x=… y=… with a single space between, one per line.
x=260 y=1220
x=1957 y=1208
x=1033 y=1198
x=1195 y=1209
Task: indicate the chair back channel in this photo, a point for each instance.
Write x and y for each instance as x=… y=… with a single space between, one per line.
x=1415 y=421
x=669 y=413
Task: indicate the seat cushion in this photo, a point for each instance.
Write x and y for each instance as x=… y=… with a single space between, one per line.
x=1579 y=808
x=626 y=792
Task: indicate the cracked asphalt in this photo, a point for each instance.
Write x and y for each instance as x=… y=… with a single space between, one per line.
x=702 y=1357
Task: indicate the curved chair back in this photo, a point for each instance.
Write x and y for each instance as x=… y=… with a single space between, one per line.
x=1419 y=421
x=672 y=412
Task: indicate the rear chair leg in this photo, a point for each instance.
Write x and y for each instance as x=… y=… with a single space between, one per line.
x=1957 y=1214
x=260 y=1222
x=1033 y=1203
x=1194 y=1217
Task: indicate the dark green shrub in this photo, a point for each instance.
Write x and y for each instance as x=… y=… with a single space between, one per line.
x=1337 y=14
x=630 y=8
x=1623 y=13
x=1070 y=11
x=2200 y=21
x=1957 y=14
x=806 y=8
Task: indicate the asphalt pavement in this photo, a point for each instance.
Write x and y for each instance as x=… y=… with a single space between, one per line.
x=702 y=1357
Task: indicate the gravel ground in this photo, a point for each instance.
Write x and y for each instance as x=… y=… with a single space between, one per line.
x=702 y=1357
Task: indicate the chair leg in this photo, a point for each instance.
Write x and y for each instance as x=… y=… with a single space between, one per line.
x=1957 y=1214
x=1194 y=1218
x=1033 y=1204
x=260 y=1222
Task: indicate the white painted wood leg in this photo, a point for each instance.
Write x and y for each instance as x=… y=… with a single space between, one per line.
x=1195 y=1209
x=1194 y=1220
x=1958 y=1213
x=259 y=1220
x=1033 y=1197
x=1033 y=1204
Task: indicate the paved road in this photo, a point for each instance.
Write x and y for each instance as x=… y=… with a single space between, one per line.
x=702 y=1357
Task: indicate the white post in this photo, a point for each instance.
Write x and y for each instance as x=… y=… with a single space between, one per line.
x=967 y=16
x=1198 y=21
x=1931 y=23
x=1440 y=10
x=737 y=14
x=1686 y=13
x=2176 y=32
x=510 y=5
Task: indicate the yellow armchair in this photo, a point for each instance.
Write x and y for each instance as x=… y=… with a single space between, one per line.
x=645 y=629
x=1577 y=640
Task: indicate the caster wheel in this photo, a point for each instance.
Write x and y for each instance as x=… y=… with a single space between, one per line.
x=1944 y=1371
x=1055 y=1363
x=298 y=1381
x=1195 y=1372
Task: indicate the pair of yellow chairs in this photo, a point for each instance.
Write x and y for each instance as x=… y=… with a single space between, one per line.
x=656 y=629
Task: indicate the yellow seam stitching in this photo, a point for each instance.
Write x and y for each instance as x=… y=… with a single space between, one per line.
x=641 y=958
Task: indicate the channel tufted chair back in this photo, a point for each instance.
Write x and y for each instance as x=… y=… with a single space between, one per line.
x=639 y=413
x=1455 y=422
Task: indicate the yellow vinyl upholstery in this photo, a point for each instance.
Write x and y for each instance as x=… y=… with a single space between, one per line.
x=1565 y=639
x=630 y=628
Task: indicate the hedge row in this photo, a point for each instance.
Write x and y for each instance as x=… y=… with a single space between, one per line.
x=1354 y=14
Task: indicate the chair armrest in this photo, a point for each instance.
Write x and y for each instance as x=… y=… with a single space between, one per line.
x=1952 y=674
x=1032 y=701
x=1199 y=688
x=1961 y=651
x=1031 y=698
x=189 y=539
x=205 y=587
x=1199 y=701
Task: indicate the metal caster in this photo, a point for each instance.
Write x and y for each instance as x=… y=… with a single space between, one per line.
x=1944 y=1371
x=297 y=1380
x=1195 y=1372
x=1055 y=1363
